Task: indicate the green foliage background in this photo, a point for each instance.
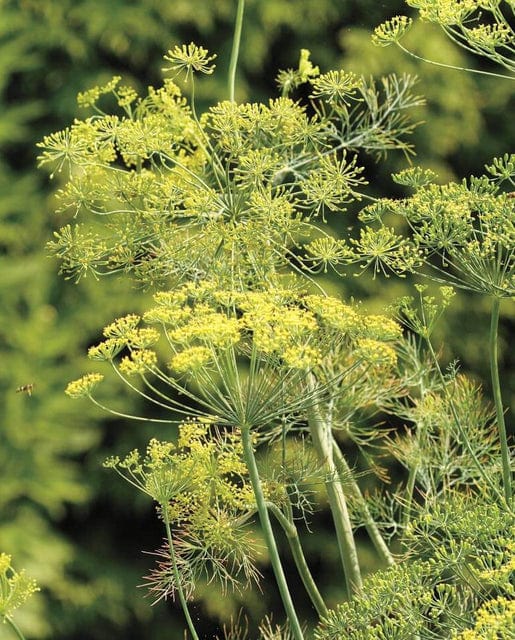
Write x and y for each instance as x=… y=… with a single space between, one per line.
x=61 y=518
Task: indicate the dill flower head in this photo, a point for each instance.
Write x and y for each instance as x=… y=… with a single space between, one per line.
x=121 y=328
x=334 y=314
x=444 y=12
x=494 y=619
x=375 y=352
x=140 y=362
x=208 y=327
x=336 y=86
x=391 y=31
x=83 y=386
x=15 y=587
x=189 y=59
x=191 y=359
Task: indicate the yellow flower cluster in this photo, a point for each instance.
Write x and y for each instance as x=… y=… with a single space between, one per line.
x=134 y=338
x=122 y=327
x=503 y=573
x=190 y=432
x=489 y=36
x=89 y=98
x=189 y=58
x=106 y=350
x=380 y=327
x=391 y=31
x=334 y=313
x=495 y=620
x=158 y=451
x=139 y=362
x=302 y=356
x=126 y=96
x=281 y=329
x=83 y=386
x=444 y=12
x=142 y=338
x=208 y=327
x=376 y=353
x=191 y=359
x=15 y=587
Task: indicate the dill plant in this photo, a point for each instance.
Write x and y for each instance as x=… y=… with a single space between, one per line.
x=223 y=215
x=15 y=588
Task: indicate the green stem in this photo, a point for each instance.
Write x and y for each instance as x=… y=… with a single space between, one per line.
x=235 y=48
x=496 y=388
x=264 y=518
x=369 y=522
x=322 y=441
x=180 y=590
x=410 y=487
x=300 y=561
x=14 y=627
x=452 y=66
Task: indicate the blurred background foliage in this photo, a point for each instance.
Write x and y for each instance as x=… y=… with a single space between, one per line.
x=62 y=517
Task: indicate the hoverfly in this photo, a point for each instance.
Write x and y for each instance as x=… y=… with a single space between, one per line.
x=26 y=388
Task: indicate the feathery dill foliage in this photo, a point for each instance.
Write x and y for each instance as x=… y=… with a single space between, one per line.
x=225 y=211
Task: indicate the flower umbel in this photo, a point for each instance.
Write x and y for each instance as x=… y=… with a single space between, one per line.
x=15 y=587
x=189 y=59
x=83 y=386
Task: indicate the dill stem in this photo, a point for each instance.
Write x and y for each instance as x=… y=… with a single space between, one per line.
x=266 y=525
x=180 y=590
x=369 y=522
x=235 y=48
x=14 y=627
x=452 y=66
x=322 y=441
x=300 y=561
x=496 y=389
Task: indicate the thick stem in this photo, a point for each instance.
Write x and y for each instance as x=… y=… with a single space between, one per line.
x=14 y=627
x=266 y=525
x=235 y=48
x=322 y=441
x=300 y=561
x=369 y=522
x=496 y=388
x=180 y=590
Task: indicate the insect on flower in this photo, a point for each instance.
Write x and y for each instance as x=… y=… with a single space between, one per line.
x=26 y=388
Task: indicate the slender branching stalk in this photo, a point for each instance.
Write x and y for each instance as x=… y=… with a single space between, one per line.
x=496 y=389
x=10 y=622
x=180 y=590
x=235 y=48
x=410 y=488
x=264 y=518
x=322 y=441
x=452 y=66
x=300 y=561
